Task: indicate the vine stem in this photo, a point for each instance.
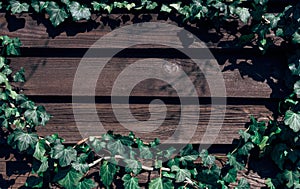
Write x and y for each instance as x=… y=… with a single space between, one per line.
x=98 y=137
x=146 y=168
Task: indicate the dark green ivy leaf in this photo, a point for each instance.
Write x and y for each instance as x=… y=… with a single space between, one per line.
x=107 y=173
x=17 y=7
x=24 y=140
x=244 y=135
x=71 y=180
x=19 y=76
x=133 y=165
x=65 y=156
x=79 y=12
x=159 y=183
x=292 y=119
x=116 y=147
x=130 y=182
x=34 y=182
x=245 y=149
x=32 y=115
x=145 y=152
x=181 y=174
x=165 y=8
x=230 y=177
x=279 y=154
x=243 y=13
x=57 y=14
x=80 y=167
x=39 y=150
x=207 y=159
x=296 y=38
x=233 y=162
x=44 y=166
x=86 y=184
x=292 y=177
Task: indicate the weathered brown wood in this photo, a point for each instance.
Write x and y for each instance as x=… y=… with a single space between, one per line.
x=38 y=32
x=64 y=124
x=258 y=77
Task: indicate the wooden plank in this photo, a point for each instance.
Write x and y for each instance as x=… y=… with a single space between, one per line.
x=36 y=31
x=63 y=121
x=256 y=78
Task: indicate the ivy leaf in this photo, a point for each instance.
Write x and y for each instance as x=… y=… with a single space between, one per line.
x=79 y=12
x=3 y=62
x=181 y=174
x=11 y=45
x=207 y=159
x=57 y=14
x=292 y=119
x=159 y=183
x=169 y=152
x=39 y=150
x=230 y=177
x=44 y=117
x=17 y=7
x=80 y=167
x=32 y=115
x=165 y=8
x=116 y=147
x=297 y=88
x=129 y=6
x=295 y=67
x=151 y=5
x=64 y=155
x=296 y=38
x=3 y=78
x=243 y=13
x=97 y=144
x=245 y=149
x=243 y=184
x=71 y=180
x=176 y=6
x=34 y=182
x=107 y=173
x=19 y=76
x=233 y=162
x=133 y=165
x=24 y=140
x=86 y=184
x=279 y=154
x=270 y=184
x=145 y=152
x=130 y=182
x=292 y=177
x=44 y=166
x=244 y=135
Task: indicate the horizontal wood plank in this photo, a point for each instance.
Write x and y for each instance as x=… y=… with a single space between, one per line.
x=256 y=78
x=158 y=126
x=36 y=31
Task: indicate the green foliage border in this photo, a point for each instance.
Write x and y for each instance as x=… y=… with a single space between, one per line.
x=54 y=163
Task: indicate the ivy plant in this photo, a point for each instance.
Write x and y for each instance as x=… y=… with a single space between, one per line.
x=54 y=163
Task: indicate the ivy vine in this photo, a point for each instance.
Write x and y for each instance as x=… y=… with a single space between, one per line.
x=54 y=163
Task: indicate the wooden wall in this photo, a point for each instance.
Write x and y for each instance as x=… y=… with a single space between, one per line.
x=51 y=55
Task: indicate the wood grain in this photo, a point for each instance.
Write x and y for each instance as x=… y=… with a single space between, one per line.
x=255 y=78
x=35 y=31
x=63 y=121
